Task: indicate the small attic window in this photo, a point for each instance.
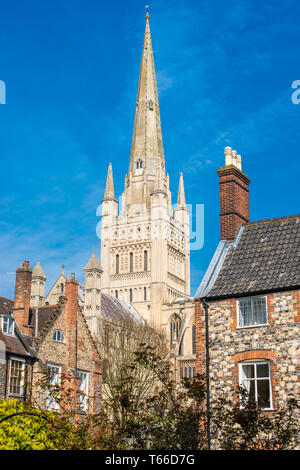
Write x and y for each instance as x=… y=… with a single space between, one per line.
x=8 y=325
x=58 y=336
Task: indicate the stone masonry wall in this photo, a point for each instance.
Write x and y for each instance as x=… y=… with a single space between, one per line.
x=277 y=342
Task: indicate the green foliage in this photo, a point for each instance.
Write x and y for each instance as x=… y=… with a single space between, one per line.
x=171 y=417
x=243 y=426
x=28 y=431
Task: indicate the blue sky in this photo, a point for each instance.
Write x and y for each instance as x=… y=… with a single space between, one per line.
x=224 y=72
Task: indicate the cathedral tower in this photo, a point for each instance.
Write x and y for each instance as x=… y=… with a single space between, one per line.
x=145 y=249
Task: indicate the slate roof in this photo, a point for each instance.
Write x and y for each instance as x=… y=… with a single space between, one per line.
x=266 y=257
x=18 y=343
x=45 y=314
x=118 y=310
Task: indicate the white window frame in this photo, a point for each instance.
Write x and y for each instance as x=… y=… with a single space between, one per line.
x=22 y=381
x=51 y=404
x=84 y=398
x=62 y=340
x=10 y=325
x=255 y=363
x=254 y=325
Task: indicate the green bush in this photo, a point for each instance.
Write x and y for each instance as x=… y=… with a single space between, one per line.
x=30 y=432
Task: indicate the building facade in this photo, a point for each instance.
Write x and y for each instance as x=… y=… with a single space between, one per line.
x=51 y=340
x=250 y=294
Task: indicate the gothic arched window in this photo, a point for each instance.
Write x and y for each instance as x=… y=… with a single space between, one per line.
x=131 y=263
x=145 y=260
x=117 y=264
x=175 y=327
x=130 y=295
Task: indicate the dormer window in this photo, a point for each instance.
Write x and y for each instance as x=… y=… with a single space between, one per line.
x=8 y=325
x=58 y=336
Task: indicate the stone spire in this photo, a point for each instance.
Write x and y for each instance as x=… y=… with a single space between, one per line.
x=38 y=271
x=109 y=189
x=147 y=143
x=93 y=263
x=181 y=195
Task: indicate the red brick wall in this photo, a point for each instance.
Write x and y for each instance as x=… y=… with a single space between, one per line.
x=22 y=297
x=78 y=352
x=71 y=322
x=234 y=201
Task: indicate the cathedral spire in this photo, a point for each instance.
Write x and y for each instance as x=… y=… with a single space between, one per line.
x=109 y=189
x=147 y=143
x=181 y=195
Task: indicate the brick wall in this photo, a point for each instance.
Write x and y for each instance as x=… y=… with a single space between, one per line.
x=22 y=297
x=234 y=201
x=77 y=352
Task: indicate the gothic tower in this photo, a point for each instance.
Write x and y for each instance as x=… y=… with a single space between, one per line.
x=145 y=251
x=37 y=286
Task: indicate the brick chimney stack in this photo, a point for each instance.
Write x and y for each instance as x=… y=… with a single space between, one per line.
x=22 y=297
x=71 y=320
x=234 y=195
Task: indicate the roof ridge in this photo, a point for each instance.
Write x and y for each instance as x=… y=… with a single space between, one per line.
x=6 y=298
x=56 y=312
x=272 y=219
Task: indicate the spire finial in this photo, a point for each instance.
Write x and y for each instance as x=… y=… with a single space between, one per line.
x=109 y=189
x=147 y=14
x=181 y=195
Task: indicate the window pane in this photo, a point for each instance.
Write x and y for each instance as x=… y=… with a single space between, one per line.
x=16 y=377
x=248 y=371
x=5 y=325
x=263 y=393
x=245 y=312
x=249 y=385
x=259 y=310
x=262 y=370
